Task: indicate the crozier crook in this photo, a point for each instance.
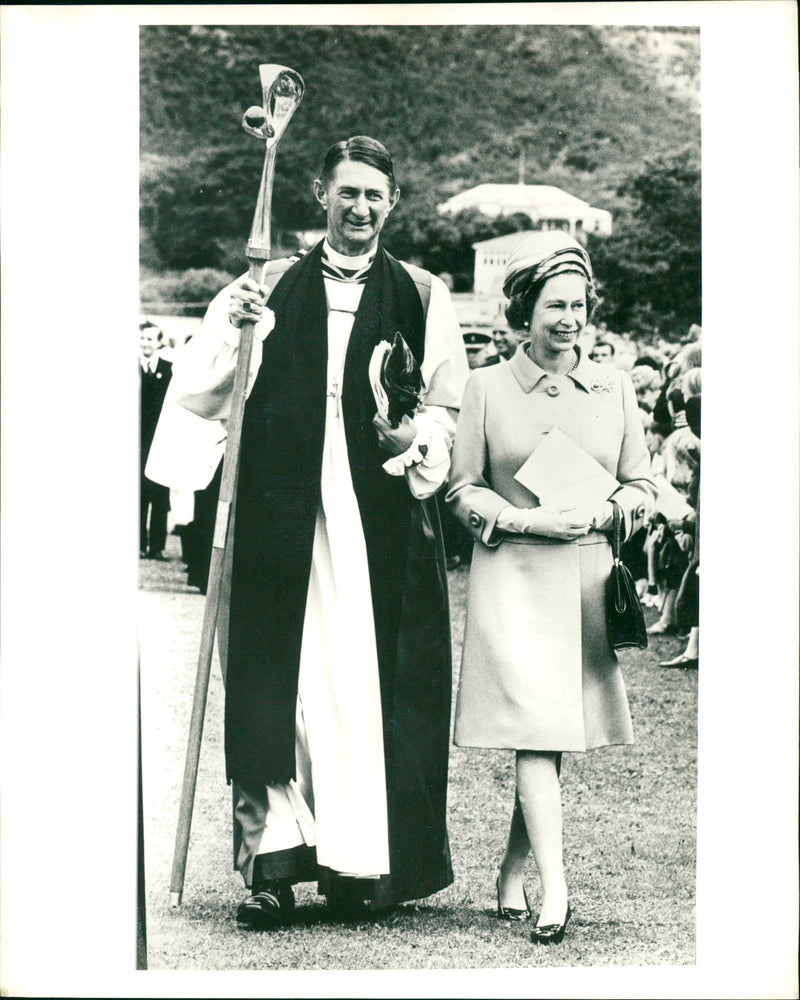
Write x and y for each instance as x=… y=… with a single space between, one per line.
x=282 y=91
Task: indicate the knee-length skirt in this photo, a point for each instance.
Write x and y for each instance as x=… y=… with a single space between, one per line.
x=537 y=671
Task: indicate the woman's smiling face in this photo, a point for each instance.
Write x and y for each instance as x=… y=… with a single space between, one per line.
x=559 y=315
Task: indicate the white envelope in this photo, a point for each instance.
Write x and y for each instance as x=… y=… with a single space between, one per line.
x=562 y=475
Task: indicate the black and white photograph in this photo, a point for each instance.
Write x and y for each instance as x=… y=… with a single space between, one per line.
x=401 y=681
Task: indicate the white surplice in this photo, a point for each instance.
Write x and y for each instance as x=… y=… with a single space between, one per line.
x=338 y=801
x=339 y=717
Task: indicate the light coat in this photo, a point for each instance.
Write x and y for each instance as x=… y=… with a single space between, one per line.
x=537 y=669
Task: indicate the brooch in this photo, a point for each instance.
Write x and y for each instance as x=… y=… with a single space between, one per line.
x=601 y=385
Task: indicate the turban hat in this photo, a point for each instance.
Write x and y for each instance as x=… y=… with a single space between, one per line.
x=542 y=255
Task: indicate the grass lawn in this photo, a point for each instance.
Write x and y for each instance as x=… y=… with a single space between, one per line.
x=629 y=821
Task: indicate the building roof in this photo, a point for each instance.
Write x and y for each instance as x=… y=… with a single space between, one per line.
x=507 y=242
x=542 y=197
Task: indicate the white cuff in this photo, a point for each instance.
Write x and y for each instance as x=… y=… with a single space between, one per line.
x=232 y=334
x=425 y=473
x=413 y=455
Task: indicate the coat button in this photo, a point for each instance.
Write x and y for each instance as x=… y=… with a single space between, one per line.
x=553 y=390
x=474 y=519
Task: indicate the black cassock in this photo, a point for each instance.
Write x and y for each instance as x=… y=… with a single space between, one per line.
x=277 y=499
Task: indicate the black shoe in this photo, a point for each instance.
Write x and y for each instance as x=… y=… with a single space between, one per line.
x=158 y=556
x=551 y=933
x=508 y=912
x=270 y=905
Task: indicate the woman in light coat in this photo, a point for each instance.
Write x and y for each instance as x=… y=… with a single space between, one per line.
x=538 y=674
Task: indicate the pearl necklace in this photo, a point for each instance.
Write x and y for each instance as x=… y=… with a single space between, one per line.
x=571 y=368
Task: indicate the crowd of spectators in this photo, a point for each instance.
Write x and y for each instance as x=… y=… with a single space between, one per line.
x=670 y=402
x=664 y=557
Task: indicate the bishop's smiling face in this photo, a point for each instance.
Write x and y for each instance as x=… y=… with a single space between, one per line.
x=358 y=199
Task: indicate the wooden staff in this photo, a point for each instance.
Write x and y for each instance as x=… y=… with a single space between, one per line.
x=282 y=90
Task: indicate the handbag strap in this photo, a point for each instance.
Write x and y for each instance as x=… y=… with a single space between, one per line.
x=616 y=532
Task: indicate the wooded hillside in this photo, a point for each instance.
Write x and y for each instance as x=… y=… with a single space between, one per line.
x=455 y=105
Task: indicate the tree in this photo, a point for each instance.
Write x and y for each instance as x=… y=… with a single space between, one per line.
x=193 y=208
x=650 y=269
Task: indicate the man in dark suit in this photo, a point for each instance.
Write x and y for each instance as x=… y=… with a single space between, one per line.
x=154 y=376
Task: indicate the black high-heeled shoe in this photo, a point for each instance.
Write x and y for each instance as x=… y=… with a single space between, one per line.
x=508 y=912
x=551 y=933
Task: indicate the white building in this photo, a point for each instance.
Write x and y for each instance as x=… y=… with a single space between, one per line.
x=548 y=207
x=491 y=257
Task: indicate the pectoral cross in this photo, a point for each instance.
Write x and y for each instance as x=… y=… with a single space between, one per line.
x=335 y=395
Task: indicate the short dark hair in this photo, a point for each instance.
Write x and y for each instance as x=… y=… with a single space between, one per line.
x=649 y=361
x=604 y=343
x=364 y=150
x=520 y=307
x=151 y=326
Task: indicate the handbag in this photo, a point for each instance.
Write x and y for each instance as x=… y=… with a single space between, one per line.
x=624 y=615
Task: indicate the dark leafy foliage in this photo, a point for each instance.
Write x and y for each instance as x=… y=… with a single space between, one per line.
x=457 y=106
x=650 y=269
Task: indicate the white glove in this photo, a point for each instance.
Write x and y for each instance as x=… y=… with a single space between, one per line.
x=565 y=525
x=600 y=517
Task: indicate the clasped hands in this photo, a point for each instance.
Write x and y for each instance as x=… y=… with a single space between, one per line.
x=565 y=525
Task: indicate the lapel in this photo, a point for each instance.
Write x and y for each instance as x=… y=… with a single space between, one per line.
x=529 y=374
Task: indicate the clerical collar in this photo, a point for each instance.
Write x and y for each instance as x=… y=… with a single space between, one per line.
x=339 y=267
